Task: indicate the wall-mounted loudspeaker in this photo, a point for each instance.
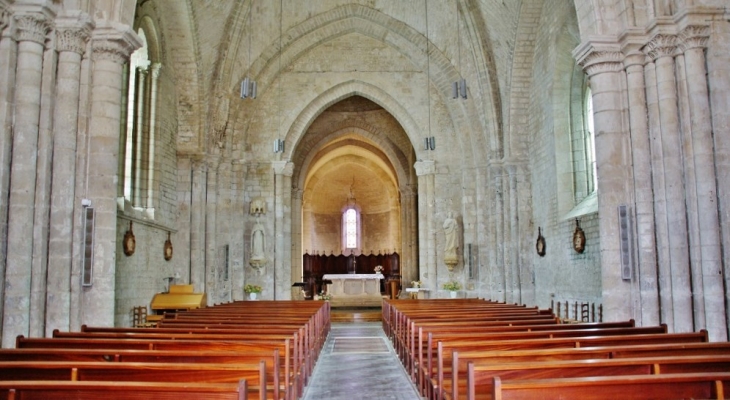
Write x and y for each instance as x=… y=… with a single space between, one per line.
x=624 y=233
x=88 y=256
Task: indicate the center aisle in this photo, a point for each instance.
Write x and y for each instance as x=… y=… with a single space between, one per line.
x=358 y=363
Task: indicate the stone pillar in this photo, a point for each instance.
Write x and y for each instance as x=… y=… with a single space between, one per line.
x=661 y=49
x=296 y=236
x=647 y=312
x=140 y=127
x=694 y=40
x=8 y=53
x=426 y=172
x=497 y=271
x=512 y=248
x=238 y=247
x=32 y=29
x=718 y=73
x=72 y=34
x=197 y=225
x=409 y=237
x=211 y=231
x=283 y=171
x=152 y=145
x=111 y=47
x=603 y=64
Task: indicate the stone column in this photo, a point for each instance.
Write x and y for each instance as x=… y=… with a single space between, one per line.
x=661 y=49
x=139 y=198
x=111 y=47
x=152 y=145
x=8 y=49
x=603 y=63
x=72 y=34
x=197 y=225
x=409 y=238
x=647 y=312
x=512 y=249
x=718 y=73
x=296 y=236
x=32 y=29
x=211 y=232
x=283 y=171
x=497 y=270
x=426 y=172
x=694 y=40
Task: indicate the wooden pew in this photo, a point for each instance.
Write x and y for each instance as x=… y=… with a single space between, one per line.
x=255 y=374
x=632 y=387
x=480 y=376
x=445 y=348
x=44 y=390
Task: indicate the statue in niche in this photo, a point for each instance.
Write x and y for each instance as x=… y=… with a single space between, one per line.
x=451 y=228
x=258 y=246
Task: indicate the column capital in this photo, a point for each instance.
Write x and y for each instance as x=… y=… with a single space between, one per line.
x=285 y=168
x=155 y=70
x=4 y=15
x=694 y=37
x=33 y=26
x=661 y=45
x=425 y=167
x=599 y=54
x=114 y=42
x=73 y=31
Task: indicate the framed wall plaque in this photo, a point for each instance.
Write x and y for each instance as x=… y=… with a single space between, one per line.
x=579 y=238
x=540 y=244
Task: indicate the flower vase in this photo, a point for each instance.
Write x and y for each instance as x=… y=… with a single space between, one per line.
x=452 y=294
x=252 y=296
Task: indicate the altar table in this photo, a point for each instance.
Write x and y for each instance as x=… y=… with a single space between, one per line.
x=354 y=290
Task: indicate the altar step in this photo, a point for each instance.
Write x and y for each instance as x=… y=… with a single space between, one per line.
x=356 y=314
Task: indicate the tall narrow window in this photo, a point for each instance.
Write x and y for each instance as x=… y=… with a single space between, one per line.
x=351 y=229
x=137 y=147
x=590 y=141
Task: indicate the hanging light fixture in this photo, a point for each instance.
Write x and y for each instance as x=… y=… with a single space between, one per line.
x=248 y=85
x=429 y=142
x=279 y=142
x=458 y=88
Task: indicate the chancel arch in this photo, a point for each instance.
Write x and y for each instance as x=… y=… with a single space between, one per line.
x=356 y=152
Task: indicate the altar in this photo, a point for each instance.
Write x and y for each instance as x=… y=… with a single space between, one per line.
x=354 y=290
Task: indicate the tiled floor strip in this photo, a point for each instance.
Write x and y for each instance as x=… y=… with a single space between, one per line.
x=358 y=363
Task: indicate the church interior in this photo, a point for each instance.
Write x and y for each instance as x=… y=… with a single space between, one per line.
x=534 y=152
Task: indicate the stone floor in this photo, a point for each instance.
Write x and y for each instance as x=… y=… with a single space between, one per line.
x=358 y=363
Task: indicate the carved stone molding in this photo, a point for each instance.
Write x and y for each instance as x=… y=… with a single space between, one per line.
x=73 y=32
x=694 y=36
x=73 y=40
x=114 y=43
x=32 y=27
x=4 y=17
x=285 y=168
x=599 y=54
x=425 y=167
x=661 y=46
x=598 y=62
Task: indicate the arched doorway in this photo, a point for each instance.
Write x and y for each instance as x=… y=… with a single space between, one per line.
x=359 y=158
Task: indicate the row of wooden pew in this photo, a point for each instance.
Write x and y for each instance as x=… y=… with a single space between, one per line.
x=477 y=349
x=240 y=350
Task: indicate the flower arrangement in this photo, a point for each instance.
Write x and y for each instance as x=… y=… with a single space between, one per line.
x=379 y=269
x=325 y=296
x=416 y=284
x=452 y=286
x=252 y=288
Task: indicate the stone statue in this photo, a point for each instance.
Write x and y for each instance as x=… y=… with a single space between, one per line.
x=451 y=228
x=258 y=246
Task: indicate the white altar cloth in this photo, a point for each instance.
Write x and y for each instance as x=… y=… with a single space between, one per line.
x=354 y=289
